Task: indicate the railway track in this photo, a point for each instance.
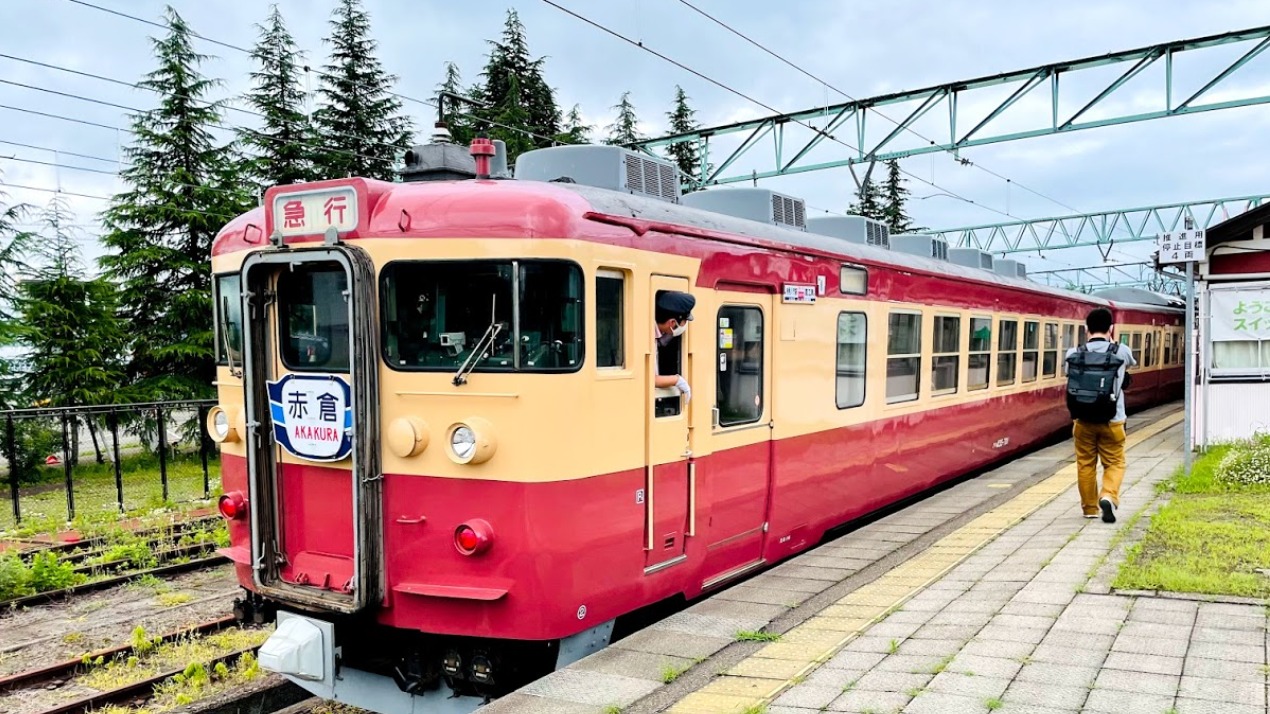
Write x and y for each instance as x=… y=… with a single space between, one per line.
x=88 y=548
x=110 y=582
x=55 y=676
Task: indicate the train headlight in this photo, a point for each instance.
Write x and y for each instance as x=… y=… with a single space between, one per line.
x=463 y=441
x=219 y=426
x=471 y=441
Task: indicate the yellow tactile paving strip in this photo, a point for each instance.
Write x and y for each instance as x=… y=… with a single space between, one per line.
x=761 y=677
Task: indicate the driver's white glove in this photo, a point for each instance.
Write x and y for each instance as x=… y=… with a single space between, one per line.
x=682 y=384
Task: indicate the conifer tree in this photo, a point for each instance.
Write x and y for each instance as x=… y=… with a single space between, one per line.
x=574 y=131
x=285 y=143
x=895 y=197
x=457 y=115
x=69 y=327
x=513 y=112
x=868 y=201
x=18 y=249
x=684 y=153
x=182 y=188
x=509 y=60
x=625 y=130
x=359 y=116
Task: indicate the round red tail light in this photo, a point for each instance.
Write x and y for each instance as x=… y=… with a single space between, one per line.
x=232 y=505
x=473 y=537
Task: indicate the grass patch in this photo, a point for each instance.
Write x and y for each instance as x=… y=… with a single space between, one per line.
x=893 y=647
x=993 y=703
x=44 y=503
x=174 y=599
x=189 y=653
x=1212 y=537
x=670 y=673
x=752 y=636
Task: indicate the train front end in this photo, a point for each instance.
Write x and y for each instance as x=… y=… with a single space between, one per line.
x=422 y=483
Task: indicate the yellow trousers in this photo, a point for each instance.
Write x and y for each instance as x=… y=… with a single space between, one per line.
x=1094 y=443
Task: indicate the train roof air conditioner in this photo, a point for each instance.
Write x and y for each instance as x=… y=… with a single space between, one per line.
x=610 y=167
x=971 y=258
x=1008 y=268
x=855 y=229
x=756 y=204
x=920 y=244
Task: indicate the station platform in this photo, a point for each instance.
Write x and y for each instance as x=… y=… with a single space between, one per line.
x=992 y=595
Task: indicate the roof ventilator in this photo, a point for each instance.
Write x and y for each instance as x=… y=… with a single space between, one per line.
x=971 y=258
x=853 y=229
x=756 y=204
x=920 y=244
x=608 y=167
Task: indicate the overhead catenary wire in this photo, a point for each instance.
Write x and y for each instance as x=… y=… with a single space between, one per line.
x=875 y=110
x=748 y=98
x=319 y=73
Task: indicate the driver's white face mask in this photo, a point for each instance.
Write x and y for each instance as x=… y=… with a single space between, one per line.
x=680 y=328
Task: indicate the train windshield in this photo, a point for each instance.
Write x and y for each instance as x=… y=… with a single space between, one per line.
x=523 y=315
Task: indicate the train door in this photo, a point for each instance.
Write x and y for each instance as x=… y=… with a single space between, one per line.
x=668 y=464
x=310 y=377
x=741 y=454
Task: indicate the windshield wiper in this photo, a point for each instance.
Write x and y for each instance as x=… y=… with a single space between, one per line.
x=483 y=344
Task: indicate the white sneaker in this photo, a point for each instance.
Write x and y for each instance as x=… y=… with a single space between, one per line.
x=1108 y=510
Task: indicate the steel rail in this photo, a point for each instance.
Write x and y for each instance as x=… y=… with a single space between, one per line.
x=106 y=583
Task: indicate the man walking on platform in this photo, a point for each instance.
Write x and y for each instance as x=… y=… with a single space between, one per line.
x=1096 y=380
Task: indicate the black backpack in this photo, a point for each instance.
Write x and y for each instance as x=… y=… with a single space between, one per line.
x=1091 y=384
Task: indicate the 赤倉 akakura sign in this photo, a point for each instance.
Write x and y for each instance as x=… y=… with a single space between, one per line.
x=313 y=415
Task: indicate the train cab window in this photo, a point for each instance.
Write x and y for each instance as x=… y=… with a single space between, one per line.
x=1049 y=358
x=503 y=315
x=313 y=312
x=903 y=357
x=1031 y=341
x=1148 y=355
x=853 y=341
x=1007 y=351
x=946 y=362
x=853 y=280
x=228 y=311
x=609 y=322
x=979 y=364
x=739 y=395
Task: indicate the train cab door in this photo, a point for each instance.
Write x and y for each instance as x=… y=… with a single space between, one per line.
x=740 y=472
x=668 y=451
x=310 y=376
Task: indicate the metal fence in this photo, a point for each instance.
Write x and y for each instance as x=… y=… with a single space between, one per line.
x=159 y=442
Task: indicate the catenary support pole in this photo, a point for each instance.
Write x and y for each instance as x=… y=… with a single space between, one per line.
x=1188 y=399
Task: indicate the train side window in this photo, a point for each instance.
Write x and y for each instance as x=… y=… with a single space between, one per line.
x=227 y=308
x=609 y=319
x=1148 y=355
x=1083 y=338
x=1007 y=354
x=853 y=280
x=1031 y=342
x=1069 y=338
x=979 y=365
x=739 y=397
x=1168 y=349
x=903 y=357
x=853 y=341
x=946 y=360
x=1136 y=346
x=1049 y=359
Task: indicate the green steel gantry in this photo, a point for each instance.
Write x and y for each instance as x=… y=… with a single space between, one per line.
x=835 y=120
x=1112 y=275
x=1126 y=225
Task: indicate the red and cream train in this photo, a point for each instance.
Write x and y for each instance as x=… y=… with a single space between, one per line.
x=446 y=468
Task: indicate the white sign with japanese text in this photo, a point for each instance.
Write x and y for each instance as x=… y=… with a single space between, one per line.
x=312 y=415
x=1181 y=246
x=796 y=293
x=1240 y=315
x=312 y=212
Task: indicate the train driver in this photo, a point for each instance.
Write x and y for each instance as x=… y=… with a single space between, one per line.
x=672 y=314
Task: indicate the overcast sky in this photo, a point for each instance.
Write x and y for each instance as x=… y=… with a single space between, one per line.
x=862 y=48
